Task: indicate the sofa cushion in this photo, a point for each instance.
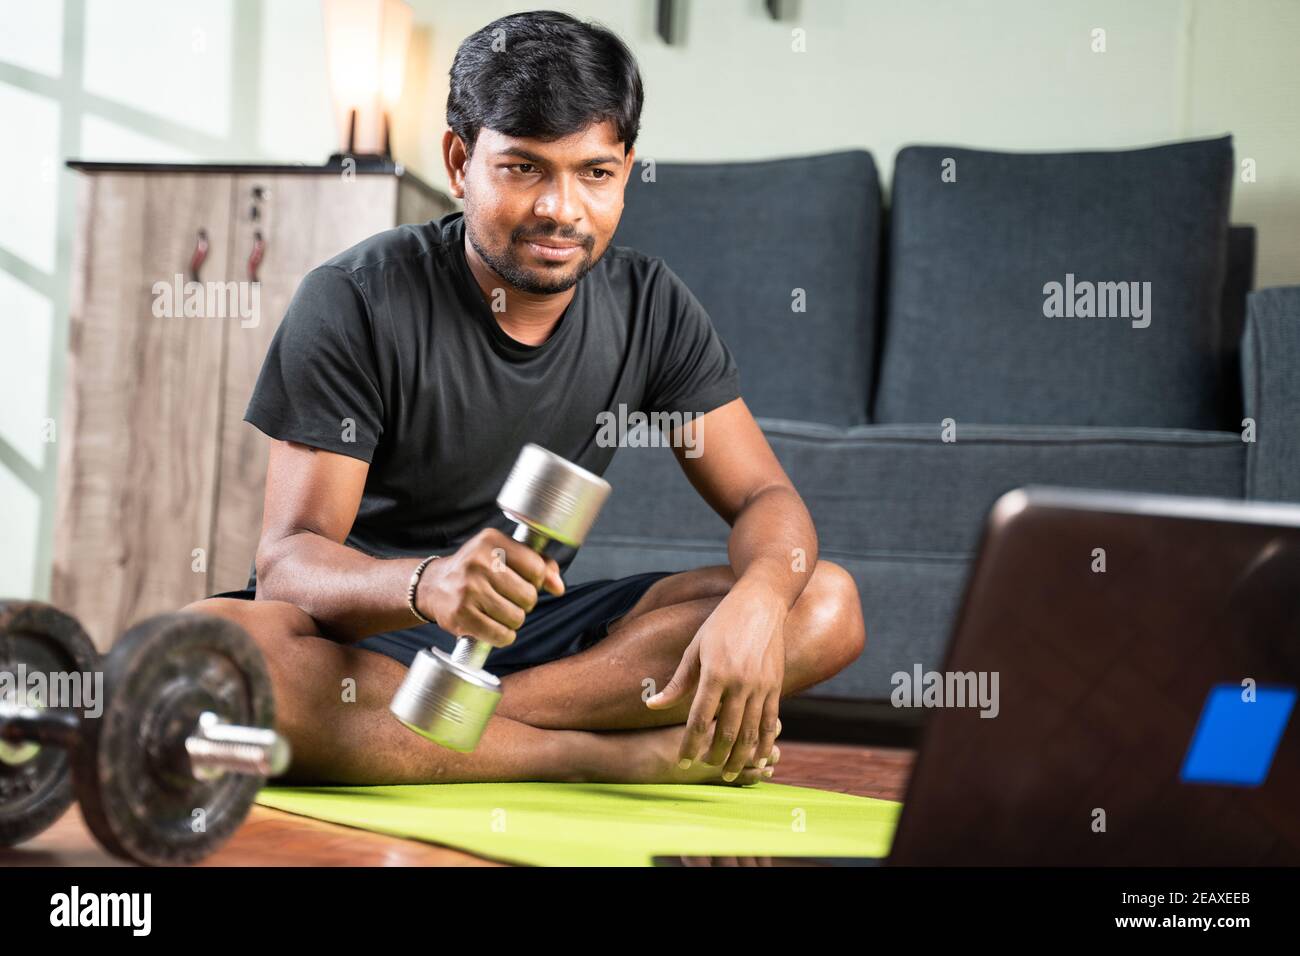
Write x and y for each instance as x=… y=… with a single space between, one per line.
x=744 y=237
x=899 y=489
x=970 y=267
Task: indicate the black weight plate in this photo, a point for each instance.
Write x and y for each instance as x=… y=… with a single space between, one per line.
x=132 y=774
x=36 y=792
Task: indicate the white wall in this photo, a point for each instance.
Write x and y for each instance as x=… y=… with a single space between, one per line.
x=997 y=74
x=178 y=80
x=243 y=80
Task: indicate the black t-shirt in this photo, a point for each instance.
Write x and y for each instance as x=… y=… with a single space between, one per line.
x=389 y=353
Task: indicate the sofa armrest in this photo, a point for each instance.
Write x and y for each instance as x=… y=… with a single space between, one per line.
x=1270 y=363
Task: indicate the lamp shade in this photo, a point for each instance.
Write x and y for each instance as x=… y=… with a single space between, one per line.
x=365 y=50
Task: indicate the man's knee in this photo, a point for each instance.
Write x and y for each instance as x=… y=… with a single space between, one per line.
x=833 y=609
x=267 y=622
x=293 y=664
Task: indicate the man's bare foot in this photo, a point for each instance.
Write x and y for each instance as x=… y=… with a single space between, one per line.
x=650 y=756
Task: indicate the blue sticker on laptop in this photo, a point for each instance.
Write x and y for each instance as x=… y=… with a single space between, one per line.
x=1235 y=739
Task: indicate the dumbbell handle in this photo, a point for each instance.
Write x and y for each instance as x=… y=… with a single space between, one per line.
x=214 y=748
x=33 y=725
x=470 y=651
x=217 y=747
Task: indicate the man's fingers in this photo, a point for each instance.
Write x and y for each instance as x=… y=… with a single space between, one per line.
x=525 y=562
x=681 y=682
x=513 y=588
x=742 y=754
x=477 y=624
x=768 y=728
x=497 y=607
x=538 y=571
x=727 y=732
x=554 y=583
x=506 y=552
x=699 y=721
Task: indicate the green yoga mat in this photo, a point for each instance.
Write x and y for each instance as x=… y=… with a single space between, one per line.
x=577 y=824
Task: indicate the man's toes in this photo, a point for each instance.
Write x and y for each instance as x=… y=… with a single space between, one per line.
x=748 y=777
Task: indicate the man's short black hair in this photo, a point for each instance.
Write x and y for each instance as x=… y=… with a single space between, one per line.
x=543 y=75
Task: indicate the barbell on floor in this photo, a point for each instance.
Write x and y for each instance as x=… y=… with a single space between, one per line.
x=170 y=767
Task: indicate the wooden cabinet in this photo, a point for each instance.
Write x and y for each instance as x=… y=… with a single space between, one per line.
x=160 y=480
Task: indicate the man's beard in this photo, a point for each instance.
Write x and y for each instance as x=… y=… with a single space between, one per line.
x=509 y=266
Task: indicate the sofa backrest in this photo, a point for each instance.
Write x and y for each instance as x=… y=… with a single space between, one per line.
x=784 y=255
x=994 y=259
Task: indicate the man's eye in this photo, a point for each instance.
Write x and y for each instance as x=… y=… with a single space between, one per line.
x=604 y=173
x=520 y=167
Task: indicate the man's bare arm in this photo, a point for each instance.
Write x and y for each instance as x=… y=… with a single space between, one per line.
x=773 y=541
x=312 y=497
x=736 y=663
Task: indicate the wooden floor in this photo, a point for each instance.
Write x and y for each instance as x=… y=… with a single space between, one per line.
x=274 y=838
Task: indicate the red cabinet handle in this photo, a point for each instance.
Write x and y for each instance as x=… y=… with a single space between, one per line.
x=200 y=253
x=255 y=257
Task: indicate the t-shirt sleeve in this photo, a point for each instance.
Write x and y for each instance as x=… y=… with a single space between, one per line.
x=693 y=371
x=319 y=383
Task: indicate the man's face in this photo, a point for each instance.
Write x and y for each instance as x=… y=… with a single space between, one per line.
x=541 y=214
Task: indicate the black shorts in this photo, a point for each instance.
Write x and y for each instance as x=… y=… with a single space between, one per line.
x=556 y=627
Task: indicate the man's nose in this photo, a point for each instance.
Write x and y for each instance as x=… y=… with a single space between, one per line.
x=559 y=202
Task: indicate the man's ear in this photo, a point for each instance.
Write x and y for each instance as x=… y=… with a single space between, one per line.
x=628 y=162
x=455 y=158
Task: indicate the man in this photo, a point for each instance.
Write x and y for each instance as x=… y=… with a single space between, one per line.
x=407 y=374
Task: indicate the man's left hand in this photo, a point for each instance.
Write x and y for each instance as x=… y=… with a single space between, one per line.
x=736 y=664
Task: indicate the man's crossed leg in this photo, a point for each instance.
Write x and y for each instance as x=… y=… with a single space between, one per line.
x=579 y=718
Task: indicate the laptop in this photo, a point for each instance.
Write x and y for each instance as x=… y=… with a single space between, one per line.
x=1147 y=658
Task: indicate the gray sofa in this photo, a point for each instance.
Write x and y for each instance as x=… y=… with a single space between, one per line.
x=935 y=309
